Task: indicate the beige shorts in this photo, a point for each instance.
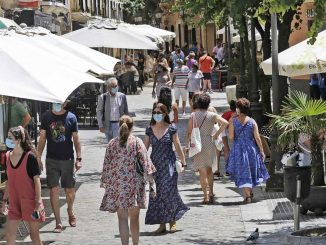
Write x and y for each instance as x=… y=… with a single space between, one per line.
x=180 y=92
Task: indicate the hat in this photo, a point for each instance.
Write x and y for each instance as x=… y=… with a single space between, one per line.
x=179 y=61
x=192 y=53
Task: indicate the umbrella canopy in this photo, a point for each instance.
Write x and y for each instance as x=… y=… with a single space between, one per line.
x=105 y=34
x=32 y=72
x=86 y=58
x=6 y=23
x=300 y=59
x=153 y=32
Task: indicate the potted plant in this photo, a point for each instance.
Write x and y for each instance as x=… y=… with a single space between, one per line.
x=303 y=116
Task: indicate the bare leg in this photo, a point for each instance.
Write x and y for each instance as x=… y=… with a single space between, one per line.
x=226 y=147
x=247 y=192
x=34 y=230
x=70 y=195
x=210 y=180
x=218 y=158
x=209 y=85
x=184 y=106
x=203 y=181
x=134 y=225
x=123 y=226
x=205 y=86
x=11 y=231
x=177 y=102
x=54 y=198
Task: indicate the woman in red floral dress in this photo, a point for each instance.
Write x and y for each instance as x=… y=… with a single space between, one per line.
x=124 y=186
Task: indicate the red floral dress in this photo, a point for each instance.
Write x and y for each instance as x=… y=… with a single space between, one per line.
x=124 y=187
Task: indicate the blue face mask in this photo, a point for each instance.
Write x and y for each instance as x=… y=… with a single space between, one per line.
x=158 y=117
x=10 y=144
x=56 y=107
x=114 y=90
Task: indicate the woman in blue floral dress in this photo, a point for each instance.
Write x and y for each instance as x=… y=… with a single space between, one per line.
x=246 y=160
x=167 y=206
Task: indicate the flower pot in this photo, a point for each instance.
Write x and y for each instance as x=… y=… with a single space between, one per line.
x=313 y=236
x=316 y=201
x=290 y=181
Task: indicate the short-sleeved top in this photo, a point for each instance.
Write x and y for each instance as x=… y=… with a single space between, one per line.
x=205 y=63
x=32 y=166
x=18 y=112
x=227 y=115
x=190 y=63
x=181 y=76
x=194 y=81
x=59 y=129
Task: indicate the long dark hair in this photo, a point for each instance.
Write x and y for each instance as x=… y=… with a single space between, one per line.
x=164 y=109
x=166 y=98
x=25 y=141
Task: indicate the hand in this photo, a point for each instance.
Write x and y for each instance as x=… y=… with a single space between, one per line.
x=78 y=165
x=169 y=83
x=152 y=189
x=263 y=157
x=38 y=205
x=102 y=130
x=215 y=137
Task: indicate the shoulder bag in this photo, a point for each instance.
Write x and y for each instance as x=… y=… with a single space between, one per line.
x=195 y=140
x=138 y=166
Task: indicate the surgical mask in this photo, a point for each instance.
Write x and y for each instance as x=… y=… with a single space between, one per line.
x=10 y=143
x=114 y=90
x=56 y=107
x=158 y=117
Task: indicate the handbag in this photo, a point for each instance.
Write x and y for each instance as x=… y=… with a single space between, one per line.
x=195 y=140
x=218 y=142
x=178 y=166
x=138 y=166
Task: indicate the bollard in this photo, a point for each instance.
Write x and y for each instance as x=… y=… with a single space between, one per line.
x=297 y=205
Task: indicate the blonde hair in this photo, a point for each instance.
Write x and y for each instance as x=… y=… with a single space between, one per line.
x=126 y=123
x=212 y=109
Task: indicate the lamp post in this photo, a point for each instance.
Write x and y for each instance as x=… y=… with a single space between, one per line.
x=255 y=107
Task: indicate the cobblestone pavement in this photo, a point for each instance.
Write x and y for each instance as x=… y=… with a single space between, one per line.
x=225 y=222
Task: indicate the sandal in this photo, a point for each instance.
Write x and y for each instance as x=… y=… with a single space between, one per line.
x=248 y=200
x=58 y=228
x=217 y=174
x=211 y=199
x=72 y=219
x=205 y=202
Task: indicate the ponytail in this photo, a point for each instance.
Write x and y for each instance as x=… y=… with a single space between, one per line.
x=124 y=134
x=126 y=124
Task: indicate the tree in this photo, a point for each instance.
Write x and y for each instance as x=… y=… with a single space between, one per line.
x=147 y=9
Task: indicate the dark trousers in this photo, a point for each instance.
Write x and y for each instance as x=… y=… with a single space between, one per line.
x=314 y=92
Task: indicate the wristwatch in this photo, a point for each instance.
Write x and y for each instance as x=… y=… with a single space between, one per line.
x=78 y=159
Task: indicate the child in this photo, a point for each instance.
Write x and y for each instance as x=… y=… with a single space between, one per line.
x=23 y=189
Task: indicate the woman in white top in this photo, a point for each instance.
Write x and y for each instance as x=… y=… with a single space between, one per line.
x=195 y=81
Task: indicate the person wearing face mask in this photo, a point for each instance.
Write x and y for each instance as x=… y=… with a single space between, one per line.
x=167 y=206
x=110 y=107
x=59 y=130
x=23 y=189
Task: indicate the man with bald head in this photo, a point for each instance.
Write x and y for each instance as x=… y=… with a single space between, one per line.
x=110 y=107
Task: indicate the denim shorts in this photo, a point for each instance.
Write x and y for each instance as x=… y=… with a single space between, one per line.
x=62 y=170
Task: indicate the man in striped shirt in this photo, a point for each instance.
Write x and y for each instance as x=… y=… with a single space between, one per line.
x=179 y=82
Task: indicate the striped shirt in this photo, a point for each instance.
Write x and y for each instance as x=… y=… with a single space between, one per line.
x=181 y=76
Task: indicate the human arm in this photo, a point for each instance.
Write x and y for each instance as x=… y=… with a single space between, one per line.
x=146 y=142
x=231 y=129
x=77 y=145
x=40 y=147
x=258 y=140
x=26 y=119
x=173 y=80
x=188 y=133
x=37 y=188
x=4 y=205
x=175 y=113
x=125 y=105
x=178 y=149
x=105 y=168
x=99 y=113
x=187 y=83
x=212 y=63
x=223 y=125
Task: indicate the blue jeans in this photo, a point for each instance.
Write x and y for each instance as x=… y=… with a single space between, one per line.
x=112 y=131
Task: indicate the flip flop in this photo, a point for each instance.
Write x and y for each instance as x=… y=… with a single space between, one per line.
x=58 y=228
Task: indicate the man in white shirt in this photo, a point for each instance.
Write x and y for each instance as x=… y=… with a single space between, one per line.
x=110 y=107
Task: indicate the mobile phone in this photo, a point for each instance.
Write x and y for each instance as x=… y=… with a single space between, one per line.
x=35 y=215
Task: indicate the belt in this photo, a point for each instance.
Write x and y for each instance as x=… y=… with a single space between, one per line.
x=114 y=121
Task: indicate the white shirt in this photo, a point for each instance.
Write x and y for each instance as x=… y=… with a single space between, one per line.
x=114 y=113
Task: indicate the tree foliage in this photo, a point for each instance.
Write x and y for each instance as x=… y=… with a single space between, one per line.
x=145 y=8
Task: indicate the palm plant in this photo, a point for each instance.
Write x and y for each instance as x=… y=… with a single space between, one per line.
x=303 y=115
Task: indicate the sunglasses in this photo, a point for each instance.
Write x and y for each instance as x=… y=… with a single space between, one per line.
x=157 y=112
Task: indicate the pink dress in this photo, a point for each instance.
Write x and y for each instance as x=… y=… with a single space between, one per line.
x=124 y=187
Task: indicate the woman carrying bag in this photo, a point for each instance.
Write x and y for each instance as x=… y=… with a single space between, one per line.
x=204 y=160
x=124 y=168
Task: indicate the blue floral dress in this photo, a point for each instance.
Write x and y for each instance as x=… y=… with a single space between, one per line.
x=245 y=164
x=167 y=206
